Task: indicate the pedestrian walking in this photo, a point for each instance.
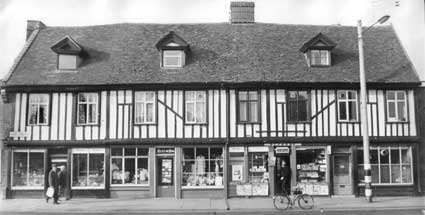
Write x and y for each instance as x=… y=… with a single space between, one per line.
x=63 y=190
x=285 y=177
x=54 y=183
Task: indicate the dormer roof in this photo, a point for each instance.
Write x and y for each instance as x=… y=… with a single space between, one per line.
x=67 y=45
x=172 y=41
x=320 y=41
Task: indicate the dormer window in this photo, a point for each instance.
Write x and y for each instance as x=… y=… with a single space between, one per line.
x=317 y=51
x=173 y=51
x=70 y=53
x=319 y=58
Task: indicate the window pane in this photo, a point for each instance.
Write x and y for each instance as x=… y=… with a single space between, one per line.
x=32 y=114
x=400 y=95
x=36 y=169
x=252 y=95
x=79 y=170
x=352 y=110
x=96 y=178
x=342 y=111
x=142 y=151
x=351 y=94
x=43 y=114
x=129 y=170
x=360 y=156
x=385 y=174
x=341 y=95
x=395 y=174
x=391 y=109
x=189 y=153
x=243 y=111
x=92 y=113
x=82 y=113
x=190 y=117
x=406 y=174
x=375 y=174
x=384 y=155
x=92 y=97
x=243 y=96
x=149 y=113
x=150 y=96
x=400 y=111
x=390 y=95
x=190 y=96
x=139 y=96
x=405 y=156
x=373 y=156
x=116 y=151
x=253 y=112
x=395 y=156
x=303 y=95
x=292 y=111
x=302 y=110
x=200 y=112
x=139 y=113
x=82 y=97
x=20 y=173
x=142 y=171
x=130 y=151
x=360 y=172
x=200 y=96
x=116 y=169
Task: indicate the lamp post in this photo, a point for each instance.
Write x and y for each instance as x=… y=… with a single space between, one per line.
x=363 y=109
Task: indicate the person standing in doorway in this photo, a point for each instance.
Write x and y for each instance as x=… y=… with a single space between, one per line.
x=285 y=178
x=63 y=191
x=54 y=183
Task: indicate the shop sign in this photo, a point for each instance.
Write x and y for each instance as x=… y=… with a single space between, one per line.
x=165 y=151
x=258 y=149
x=282 y=144
x=282 y=150
x=88 y=150
x=236 y=149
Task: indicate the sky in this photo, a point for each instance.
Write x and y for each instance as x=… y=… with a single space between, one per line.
x=15 y=13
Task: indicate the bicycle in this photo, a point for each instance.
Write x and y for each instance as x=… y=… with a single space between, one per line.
x=283 y=201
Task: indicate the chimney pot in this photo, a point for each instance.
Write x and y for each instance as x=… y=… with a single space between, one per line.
x=242 y=12
x=33 y=25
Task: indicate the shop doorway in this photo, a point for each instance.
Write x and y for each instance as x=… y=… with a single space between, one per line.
x=342 y=175
x=278 y=171
x=165 y=172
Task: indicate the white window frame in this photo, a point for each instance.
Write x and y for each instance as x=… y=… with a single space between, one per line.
x=206 y=161
x=347 y=101
x=88 y=151
x=38 y=103
x=395 y=101
x=172 y=54
x=67 y=62
x=87 y=103
x=28 y=151
x=248 y=101
x=144 y=103
x=194 y=102
x=379 y=148
x=123 y=157
x=325 y=53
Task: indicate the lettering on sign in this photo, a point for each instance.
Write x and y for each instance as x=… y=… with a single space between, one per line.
x=282 y=150
x=165 y=151
x=282 y=144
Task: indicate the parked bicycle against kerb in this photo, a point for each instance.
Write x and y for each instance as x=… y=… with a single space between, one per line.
x=284 y=201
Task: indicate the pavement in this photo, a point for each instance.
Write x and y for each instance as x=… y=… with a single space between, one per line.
x=161 y=205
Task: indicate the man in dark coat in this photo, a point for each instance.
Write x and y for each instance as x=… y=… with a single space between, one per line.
x=62 y=182
x=54 y=183
x=285 y=178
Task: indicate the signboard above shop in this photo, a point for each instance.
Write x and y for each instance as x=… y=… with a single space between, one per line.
x=163 y=151
x=282 y=150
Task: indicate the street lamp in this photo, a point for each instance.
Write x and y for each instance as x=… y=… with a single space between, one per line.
x=363 y=109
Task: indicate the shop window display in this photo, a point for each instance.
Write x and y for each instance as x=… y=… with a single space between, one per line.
x=202 y=167
x=258 y=167
x=88 y=168
x=28 y=169
x=389 y=165
x=311 y=171
x=129 y=166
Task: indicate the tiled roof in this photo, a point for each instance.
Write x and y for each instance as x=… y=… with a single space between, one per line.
x=220 y=53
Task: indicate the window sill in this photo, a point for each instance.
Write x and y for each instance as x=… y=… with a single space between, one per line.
x=87 y=188
x=145 y=123
x=298 y=122
x=27 y=188
x=397 y=122
x=387 y=184
x=248 y=122
x=202 y=187
x=195 y=123
x=354 y=122
x=91 y=124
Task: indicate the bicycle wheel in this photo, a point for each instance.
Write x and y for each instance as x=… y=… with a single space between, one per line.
x=305 y=201
x=281 y=202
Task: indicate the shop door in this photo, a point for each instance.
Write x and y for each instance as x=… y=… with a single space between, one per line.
x=342 y=175
x=165 y=176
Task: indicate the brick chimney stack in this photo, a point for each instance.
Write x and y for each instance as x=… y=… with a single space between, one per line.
x=242 y=12
x=33 y=25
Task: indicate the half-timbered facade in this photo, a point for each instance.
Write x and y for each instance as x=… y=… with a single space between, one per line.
x=208 y=110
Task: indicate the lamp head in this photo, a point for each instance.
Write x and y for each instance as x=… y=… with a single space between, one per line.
x=383 y=19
